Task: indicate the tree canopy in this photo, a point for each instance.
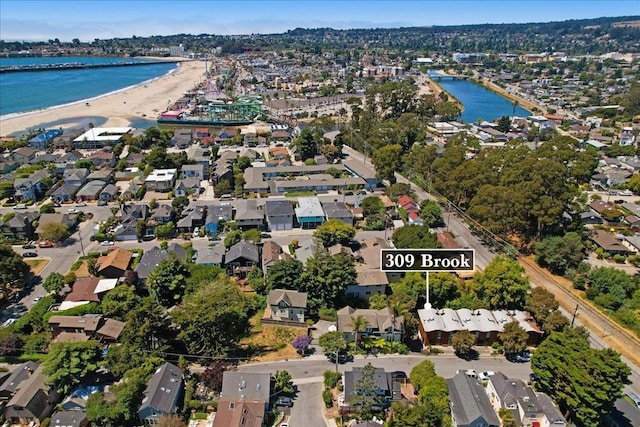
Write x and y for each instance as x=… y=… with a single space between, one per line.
x=335 y=231
x=67 y=364
x=13 y=269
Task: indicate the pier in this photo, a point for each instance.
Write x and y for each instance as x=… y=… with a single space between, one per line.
x=74 y=66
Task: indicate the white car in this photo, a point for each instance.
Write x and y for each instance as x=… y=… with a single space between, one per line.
x=106 y=243
x=71 y=210
x=485 y=375
x=79 y=204
x=626 y=193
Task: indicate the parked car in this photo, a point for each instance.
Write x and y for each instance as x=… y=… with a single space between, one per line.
x=38 y=298
x=284 y=401
x=45 y=244
x=106 y=243
x=72 y=210
x=533 y=377
x=9 y=322
x=80 y=204
x=29 y=254
x=29 y=245
x=102 y=203
x=626 y=193
x=485 y=375
x=20 y=206
x=265 y=235
x=525 y=356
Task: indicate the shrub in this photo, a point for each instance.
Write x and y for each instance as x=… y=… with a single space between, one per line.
x=330 y=378
x=328 y=398
x=328 y=314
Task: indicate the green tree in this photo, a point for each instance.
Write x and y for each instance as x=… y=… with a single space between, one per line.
x=417 y=415
x=386 y=161
x=431 y=213
x=333 y=343
x=54 y=282
x=560 y=253
x=168 y=280
x=432 y=388
x=214 y=319
x=447 y=111
x=502 y=285
x=372 y=205
x=335 y=231
x=67 y=364
x=179 y=203
x=326 y=278
x=504 y=124
x=243 y=162
x=582 y=380
x=358 y=323
x=54 y=232
x=165 y=231
x=84 y=163
x=555 y=322
x=232 y=238
x=365 y=399
x=415 y=237
x=47 y=208
x=282 y=382
x=462 y=342
x=252 y=235
x=285 y=274
x=13 y=269
x=541 y=303
x=6 y=189
x=120 y=301
x=513 y=338
x=306 y=145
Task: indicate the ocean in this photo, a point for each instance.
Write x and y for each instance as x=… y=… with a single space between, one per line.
x=27 y=91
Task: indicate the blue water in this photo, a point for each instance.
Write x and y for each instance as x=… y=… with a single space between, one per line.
x=480 y=103
x=26 y=91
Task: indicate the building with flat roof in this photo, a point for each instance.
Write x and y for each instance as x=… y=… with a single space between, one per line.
x=162 y=180
x=100 y=137
x=309 y=213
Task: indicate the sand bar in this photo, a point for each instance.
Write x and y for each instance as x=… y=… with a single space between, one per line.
x=144 y=101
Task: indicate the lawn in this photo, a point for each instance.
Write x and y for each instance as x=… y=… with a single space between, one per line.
x=36 y=265
x=271 y=342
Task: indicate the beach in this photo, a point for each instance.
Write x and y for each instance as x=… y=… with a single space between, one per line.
x=144 y=101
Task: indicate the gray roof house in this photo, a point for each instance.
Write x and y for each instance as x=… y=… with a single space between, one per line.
x=380 y=323
x=338 y=210
x=279 y=214
x=470 y=405
x=193 y=171
x=162 y=395
x=109 y=192
x=241 y=258
x=91 y=190
x=69 y=419
x=516 y=396
x=33 y=400
x=151 y=258
x=75 y=176
x=194 y=216
x=285 y=305
x=248 y=215
x=17 y=376
x=246 y=386
x=185 y=186
x=386 y=388
x=64 y=192
x=212 y=255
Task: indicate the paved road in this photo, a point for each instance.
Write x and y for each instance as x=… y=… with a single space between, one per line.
x=307 y=408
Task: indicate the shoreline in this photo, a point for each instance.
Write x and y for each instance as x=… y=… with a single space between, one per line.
x=143 y=101
x=85 y=100
x=524 y=103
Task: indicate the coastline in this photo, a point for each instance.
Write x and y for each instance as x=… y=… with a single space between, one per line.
x=524 y=103
x=141 y=101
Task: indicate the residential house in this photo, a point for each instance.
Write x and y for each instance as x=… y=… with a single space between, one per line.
x=517 y=397
x=201 y=133
x=193 y=171
x=45 y=159
x=8 y=166
x=187 y=186
x=363 y=172
x=368 y=282
x=552 y=414
x=101 y=136
x=162 y=180
x=201 y=156
x=23 y=155
x=193 y=216
x=86 y=290
x=114 y=264
x=64 y=193
x=437 y=326
x=91 y=190
x=608 y=243
x=32 y=187
x=271 y=254
x=279 y=214
x=126 y=230
x=75 y=177
x=339 y=211
x=241 y=258
x=386 y=389
x=181 y=138
x=162 y=394
x=244 y=399
x=102 y=158
x=380 y=324
x=109 y=331
x=248 y=215
x=369 y=255
x=32 y=402
x=134 y=158
x=69 y=419
x=285 y=305
x=65 y=141
x=224 y=135
x=108 y=193
x=85 y=325
x=20 y=226
x=132 y=210
x=77 y=400
x=151 y=258
x=14 y=381
x=278 y=153
x=591 y=218
x=308 y=248
x=470 y=405
x=213 y=255
x=67 y=219
x=103 y=174
x=215 y=215
x=309 y=213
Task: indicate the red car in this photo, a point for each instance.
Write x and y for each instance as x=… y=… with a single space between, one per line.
x=45 y=244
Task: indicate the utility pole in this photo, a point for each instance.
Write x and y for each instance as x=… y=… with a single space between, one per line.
x=575 y=314
x=80 y=238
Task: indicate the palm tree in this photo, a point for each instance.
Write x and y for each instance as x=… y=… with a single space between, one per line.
x=358 y=323
x=396 y=309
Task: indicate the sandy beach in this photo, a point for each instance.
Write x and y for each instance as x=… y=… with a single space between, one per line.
x=141 y=102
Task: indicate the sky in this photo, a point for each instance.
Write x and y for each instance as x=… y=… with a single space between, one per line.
x=37 y=20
